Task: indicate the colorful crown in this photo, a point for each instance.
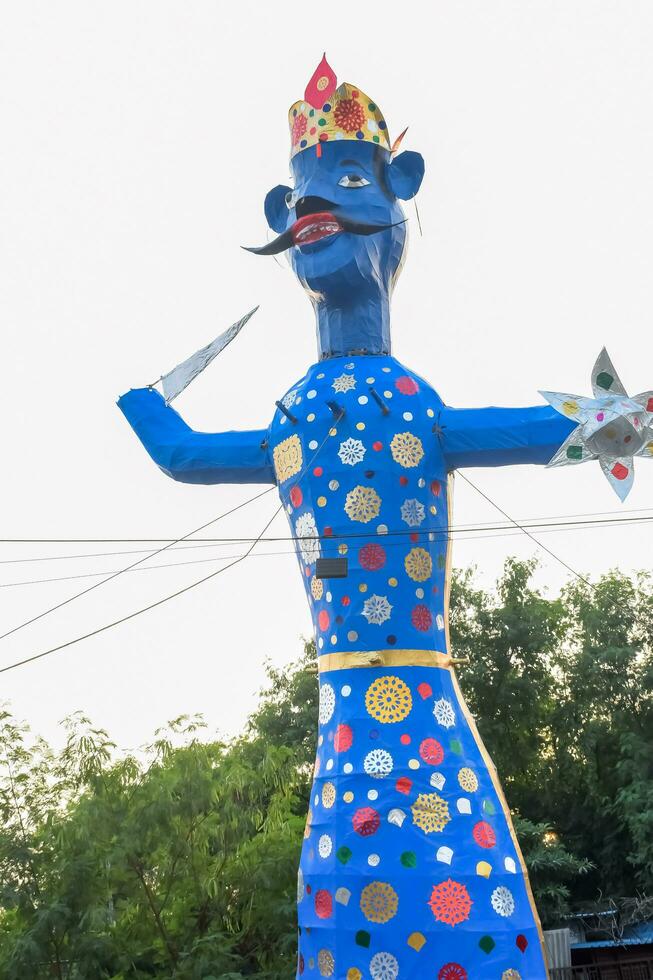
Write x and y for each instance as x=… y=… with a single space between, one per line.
x=328 y=112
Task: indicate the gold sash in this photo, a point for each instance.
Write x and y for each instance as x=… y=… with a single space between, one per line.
x=385 y=658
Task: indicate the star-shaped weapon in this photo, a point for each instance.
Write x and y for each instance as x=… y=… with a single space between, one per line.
x=612 y=427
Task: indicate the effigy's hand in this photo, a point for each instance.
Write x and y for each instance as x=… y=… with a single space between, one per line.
x=611 y=427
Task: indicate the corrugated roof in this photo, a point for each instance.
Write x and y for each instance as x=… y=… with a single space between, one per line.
x=636 y=935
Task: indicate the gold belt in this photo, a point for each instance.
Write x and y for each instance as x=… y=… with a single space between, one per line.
x=386 y=658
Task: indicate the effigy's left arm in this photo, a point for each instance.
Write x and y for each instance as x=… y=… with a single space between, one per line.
x=501 y=436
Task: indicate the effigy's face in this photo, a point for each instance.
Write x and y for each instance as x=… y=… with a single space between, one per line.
x=342 y=224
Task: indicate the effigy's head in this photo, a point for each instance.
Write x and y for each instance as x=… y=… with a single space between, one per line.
x=341 y=224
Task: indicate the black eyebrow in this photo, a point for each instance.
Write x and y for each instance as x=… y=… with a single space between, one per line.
x=345 y=163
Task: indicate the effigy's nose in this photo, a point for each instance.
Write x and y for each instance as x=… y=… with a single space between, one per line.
x=312 y=204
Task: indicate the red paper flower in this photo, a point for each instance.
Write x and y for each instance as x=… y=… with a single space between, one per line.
x=484 y=835
x=366 y=821
x=450 y=902
x=404 y=785
x=372 y=557
x=406 y=385
x=421 y=618
x=431 y=751
x=323 y=620
x=323 y=904
x=452 y=971
x=343 y=738
x=425 y=690
x=296 y=497
x=298 y=128
x=349 y=115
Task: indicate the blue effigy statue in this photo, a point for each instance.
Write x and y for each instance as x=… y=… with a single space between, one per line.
x=410 y=867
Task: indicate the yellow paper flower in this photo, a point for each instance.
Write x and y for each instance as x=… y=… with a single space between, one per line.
x=287 y=458
x=388 y=700
x=418 y=564
x=307 y=828
x=362 y=504
x=406 y=449
x=430 y=813
x=379 y=902
x=468 y=780
x=317 y=587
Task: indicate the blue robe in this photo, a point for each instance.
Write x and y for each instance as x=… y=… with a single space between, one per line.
x=410 y=867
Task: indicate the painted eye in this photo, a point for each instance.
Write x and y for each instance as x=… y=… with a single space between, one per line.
x=353 y=180
x=290 y=200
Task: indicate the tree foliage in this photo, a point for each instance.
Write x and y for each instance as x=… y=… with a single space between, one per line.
x=179 y=861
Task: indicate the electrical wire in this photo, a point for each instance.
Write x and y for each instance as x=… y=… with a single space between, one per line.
x=278 y=554
x=496 y=506
x=121 y=571
x=535 y=523
x=187 y=588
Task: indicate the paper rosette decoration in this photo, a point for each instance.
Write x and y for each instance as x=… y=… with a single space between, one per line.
x=612 y=427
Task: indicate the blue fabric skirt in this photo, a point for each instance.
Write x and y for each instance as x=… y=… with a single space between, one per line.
x=410 y=867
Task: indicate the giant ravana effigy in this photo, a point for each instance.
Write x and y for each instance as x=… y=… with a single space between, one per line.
x=410 y=867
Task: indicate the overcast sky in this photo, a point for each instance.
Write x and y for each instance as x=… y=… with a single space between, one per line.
x=138 y=140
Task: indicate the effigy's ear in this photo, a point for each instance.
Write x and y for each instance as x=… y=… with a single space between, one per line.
x=275 y=207
x=404 y=174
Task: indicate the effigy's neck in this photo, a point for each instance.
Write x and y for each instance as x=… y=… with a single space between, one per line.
x=355 y=325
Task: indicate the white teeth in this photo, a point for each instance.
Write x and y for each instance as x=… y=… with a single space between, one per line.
x=330 y=228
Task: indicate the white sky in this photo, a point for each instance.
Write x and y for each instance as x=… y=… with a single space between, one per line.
x=138 y=142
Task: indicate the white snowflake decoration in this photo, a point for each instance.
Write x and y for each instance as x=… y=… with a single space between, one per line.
x=376 y=609
x=309 y=539
x=300 y=885
x=444 y=713
x=324 y=846
x=378 y=763
x=502 y=901
x=325 y=963
x=351 y=452
x=289 y=400
x=327 y=703
x=384 y=966
x=346 y=382
x=412 y=512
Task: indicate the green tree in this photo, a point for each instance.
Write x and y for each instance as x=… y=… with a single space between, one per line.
x=562 y=689
x=178 y=862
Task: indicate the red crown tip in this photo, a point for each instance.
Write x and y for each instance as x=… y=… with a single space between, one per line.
x=322 y=84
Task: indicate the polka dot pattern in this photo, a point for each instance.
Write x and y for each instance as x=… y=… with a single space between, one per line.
x=407 y=831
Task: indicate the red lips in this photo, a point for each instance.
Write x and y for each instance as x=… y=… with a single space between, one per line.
x=313 y=227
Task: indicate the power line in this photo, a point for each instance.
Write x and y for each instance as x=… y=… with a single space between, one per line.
x=137 y=612
x=278 y=554
x=528 y=533
x=535 y=523
x=111 y=576
x=527 y=522
x=187 y=588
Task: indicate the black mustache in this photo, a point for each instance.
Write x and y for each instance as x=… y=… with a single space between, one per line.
x=285 y=240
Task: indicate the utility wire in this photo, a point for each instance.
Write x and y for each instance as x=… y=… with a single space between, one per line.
x=496 y=506
x=534 y=523
x=120 y=571
x=276 y=554
x=187 y=588
x=137 y=612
